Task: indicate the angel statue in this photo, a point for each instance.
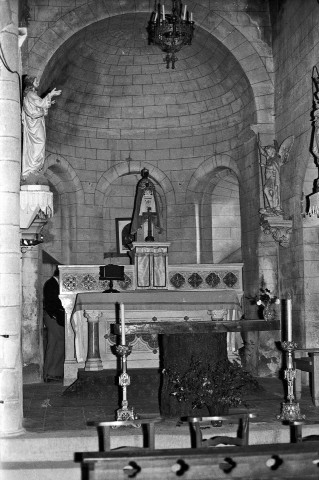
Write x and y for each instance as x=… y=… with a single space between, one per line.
x=274 y=158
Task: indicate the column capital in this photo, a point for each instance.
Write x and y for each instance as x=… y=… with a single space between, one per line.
x=68 y=302
x=92 y=315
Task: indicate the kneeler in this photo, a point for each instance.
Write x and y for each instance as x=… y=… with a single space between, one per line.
x=242 y=438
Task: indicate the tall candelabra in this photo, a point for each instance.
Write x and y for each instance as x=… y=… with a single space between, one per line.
x=123 y=351
x=124 y=413
x=290 y=409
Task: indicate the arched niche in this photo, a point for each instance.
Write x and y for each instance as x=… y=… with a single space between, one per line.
x=60 y=233
x=115 y=193
x=214 y=192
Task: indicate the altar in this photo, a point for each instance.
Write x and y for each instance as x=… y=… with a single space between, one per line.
x=196 y=298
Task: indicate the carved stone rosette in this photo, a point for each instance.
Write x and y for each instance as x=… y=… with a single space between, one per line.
x=277 y=227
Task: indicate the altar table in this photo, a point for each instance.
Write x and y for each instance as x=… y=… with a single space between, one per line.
x=169 y=307
x=171 y=328
x=163 y=312
x=201 y=303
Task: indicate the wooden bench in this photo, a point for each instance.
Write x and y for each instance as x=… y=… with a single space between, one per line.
x=104 y=432
x=307 y=360
x=281 y=461
x=296 y=433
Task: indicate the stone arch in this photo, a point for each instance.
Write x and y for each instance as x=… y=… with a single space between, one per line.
x=63 y=177
x=215 y=169
x=67 y=192
x=238 y=33
x=125 y=168
x=202 y=175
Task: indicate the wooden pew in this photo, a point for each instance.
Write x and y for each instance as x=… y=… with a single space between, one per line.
x=256 y=462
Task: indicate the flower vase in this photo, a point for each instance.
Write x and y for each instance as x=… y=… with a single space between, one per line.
x=268 y=312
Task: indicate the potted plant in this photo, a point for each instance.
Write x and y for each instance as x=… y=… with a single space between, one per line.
x=215 y=386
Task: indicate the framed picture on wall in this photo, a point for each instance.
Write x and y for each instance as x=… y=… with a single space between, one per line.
x=123 y=227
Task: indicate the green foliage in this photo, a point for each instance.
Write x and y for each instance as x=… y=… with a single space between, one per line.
x=222 y=383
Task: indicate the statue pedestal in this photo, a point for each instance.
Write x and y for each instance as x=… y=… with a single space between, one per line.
x=151 y=264
x=277 y=227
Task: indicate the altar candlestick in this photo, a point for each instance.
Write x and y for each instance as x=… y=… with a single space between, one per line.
x=289 y=321
x=122 y=324
x=155 y=17
x=185 y=8
x=191 y=16
x=163 y=12
x=197 y=230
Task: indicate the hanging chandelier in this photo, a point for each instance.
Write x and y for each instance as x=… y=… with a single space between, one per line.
x=171 y=30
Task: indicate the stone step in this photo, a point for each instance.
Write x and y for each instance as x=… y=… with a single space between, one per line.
x=52 y=455
x=62 y=446
x=45 y=470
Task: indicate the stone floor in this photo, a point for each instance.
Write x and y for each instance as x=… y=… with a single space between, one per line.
x=48 y=407
x=55 y=419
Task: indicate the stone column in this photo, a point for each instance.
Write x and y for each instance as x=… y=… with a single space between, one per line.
x=93 y=361
x=32 y=313
x=10 y=296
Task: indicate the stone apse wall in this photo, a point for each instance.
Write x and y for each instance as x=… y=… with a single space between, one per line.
x=295 y=54
x=121 y=110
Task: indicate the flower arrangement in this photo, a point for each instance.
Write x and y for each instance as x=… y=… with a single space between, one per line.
x=265 y=301
x=203 y=384
x=266 y=298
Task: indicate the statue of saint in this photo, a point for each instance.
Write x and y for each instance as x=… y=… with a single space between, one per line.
x=146 y=207
x=34 y=110
x=274 y=158
x=315 y=148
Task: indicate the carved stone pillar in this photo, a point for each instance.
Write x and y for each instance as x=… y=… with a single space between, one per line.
x=70 y=363
x=93 y=360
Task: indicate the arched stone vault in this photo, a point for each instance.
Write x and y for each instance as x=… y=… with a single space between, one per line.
x=237 y=31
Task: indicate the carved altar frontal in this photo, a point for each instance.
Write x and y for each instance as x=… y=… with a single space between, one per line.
x=185 y=280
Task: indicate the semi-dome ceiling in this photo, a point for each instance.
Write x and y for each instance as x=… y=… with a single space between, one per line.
x=116 y=87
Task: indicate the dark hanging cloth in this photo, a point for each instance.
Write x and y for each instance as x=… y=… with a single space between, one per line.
x=137 y=220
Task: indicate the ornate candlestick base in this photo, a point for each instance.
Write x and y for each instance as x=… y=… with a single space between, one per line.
x=125 y=412
x=290 y=409
x=290 y=412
